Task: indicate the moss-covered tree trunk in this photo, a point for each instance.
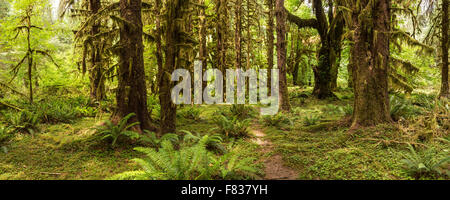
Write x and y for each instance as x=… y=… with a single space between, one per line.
x=444 y=44
x=203 y=48
x=238 y=34
x=132 y=90
x=97 y=85
x=370 y=59
x=221 y=34
x=281 y=55
x=30 y=54
x=158 y=42
x=270 y=39
x=172 y=37
x=330 y=36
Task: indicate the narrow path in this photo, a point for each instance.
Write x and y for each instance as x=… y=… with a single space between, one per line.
x=274 y=167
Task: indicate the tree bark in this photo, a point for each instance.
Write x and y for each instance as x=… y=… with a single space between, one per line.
x=270 y=40
x=370 y=56
x=238 y=34
x=203 y=48
x=158 y=52
x=281 y=55
x=132 y=91
x=444 y=44
x=30 y=55
x=172 y=38
x=222 y=31
x=97 y=84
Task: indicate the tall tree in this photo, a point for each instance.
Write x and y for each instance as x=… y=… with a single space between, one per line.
x=281 y=55
x=97 y=86
x=370 y=61
x=175 y=37
x=238 y=34
x=94 y=39
x=270 y=38
x=330 y=32
x=221 y=34
x=444 y=45
x=132 y=91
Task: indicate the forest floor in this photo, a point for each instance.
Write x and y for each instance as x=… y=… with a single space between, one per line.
x=315 y=144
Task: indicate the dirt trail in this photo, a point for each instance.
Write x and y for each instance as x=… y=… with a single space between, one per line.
x=274 y=167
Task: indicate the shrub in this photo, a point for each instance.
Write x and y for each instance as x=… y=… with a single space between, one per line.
x=423 y=164
x=233 y=127
x=190 y=162
x=112 y=131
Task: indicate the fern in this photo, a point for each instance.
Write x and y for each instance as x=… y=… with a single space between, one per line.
x=150 y=137
x=112 y=131
x=191 y=113
x=346 y=110
x=311 y=120
x=421 y=164
x=401 y=108
x=5 y=135
x=213 y=142
x=241 y=111
x=22 y=122
x=277 y=120
x=190 y=162
x=233 y=127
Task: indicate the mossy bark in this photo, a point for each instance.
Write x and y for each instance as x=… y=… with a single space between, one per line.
x=132 y=92
x=97 y=84
x=370 y=62
x=270 y=40
x=444 y=44
x=281 y=55
x=172 y=38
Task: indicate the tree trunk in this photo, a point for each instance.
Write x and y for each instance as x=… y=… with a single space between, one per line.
x=30 y=55
x=97 y=84
x=158 y=52
x=203 y=49
x=444 y=43
x=238 y=34
x=370 y=57
x=331 y=42
x=270 y=40
x=281 y=55
x=222 y=31
x=175 y=12
x=132 y=91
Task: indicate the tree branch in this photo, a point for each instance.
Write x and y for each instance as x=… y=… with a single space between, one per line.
x=301 y=23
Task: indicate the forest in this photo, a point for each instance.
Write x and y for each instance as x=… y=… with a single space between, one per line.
x=91 y=90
